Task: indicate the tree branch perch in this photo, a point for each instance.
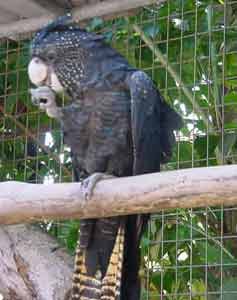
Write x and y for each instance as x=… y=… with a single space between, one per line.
x=150 y=193
x=81 y=13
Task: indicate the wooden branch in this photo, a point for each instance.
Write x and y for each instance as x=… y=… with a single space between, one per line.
x=32 y=265
x=53 y=5
x=109 y=7
x=22 y=202
x=24 y=26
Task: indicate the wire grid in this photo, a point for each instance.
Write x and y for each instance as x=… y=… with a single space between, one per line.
x=188 y=48
x=31 y=143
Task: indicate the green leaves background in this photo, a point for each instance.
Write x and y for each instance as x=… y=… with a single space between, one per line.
x=189 y=49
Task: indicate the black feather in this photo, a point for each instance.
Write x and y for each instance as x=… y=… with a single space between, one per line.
x=117 y=123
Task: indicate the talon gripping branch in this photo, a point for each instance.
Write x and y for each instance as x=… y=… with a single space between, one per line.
x=117 y=123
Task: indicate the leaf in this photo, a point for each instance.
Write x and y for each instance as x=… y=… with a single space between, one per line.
x=229 y=285
x=206 y=145
x=151 y=30
x=215 y=253
x=224 y=147
x=231 y=97
x=95 y=23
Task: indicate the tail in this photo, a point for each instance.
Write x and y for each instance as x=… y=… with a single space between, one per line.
x=111 y=283
x=84 y=287
x=131 y=283
x=88 y=286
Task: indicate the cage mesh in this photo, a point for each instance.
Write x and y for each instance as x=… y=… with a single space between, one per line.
x=189 y=49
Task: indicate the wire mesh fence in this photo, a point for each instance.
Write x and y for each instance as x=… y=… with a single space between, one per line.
x=189 y=49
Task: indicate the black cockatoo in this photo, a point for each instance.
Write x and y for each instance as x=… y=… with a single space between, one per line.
x=116 y=124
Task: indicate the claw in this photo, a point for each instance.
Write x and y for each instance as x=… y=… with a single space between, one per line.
x=34 y=99
x=88 y=185
x=44 y=97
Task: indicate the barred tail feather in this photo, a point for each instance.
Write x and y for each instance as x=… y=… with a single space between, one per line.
x=94 y=287
x=111 y=283
x=84 y=287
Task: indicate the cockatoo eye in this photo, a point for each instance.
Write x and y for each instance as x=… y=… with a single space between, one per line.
x=51 y=55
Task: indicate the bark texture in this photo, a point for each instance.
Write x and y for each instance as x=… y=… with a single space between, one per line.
x=32 y=266
x=150 y=193
x=108 y=9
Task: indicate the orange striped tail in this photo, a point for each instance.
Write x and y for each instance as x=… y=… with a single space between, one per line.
x=86 y=287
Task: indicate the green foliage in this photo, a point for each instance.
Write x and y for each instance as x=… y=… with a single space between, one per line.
x=203 y=55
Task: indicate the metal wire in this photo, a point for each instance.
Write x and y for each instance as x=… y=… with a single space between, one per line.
x=189 y=49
